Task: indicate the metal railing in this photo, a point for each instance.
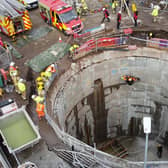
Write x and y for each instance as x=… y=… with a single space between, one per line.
x=97 y=44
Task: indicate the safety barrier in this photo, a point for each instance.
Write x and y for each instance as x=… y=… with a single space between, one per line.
x=158 y=43
x=94 y=45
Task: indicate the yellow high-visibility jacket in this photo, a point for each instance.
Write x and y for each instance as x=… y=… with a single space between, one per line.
x=134 y=8
x=21 y=86
x=155 y=12
x=39 y=99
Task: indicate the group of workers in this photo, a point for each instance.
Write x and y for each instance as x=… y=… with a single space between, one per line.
x=40 y=87
x=19 y=83
x=154 y=13
x=119 y=16
x=21 y=88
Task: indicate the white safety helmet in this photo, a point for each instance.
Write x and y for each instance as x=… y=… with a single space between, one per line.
x=21 y=80
x=157 y=7
x=119 y=12
x=52 y=65
x=103 y=9
x=33 y=96
x=12 y=64
x=9 y=100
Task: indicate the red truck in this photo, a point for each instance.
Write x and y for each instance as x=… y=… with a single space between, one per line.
x=60 y=15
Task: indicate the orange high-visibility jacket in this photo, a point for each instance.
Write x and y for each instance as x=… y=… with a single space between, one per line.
x=40 y=110
x=40 y=107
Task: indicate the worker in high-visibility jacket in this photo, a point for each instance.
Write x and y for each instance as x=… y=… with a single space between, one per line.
x=155 y=13
x=73 y=48
x=22 y=88
x=134 y=8
x=51 y=68
x=40 y=85
x=114 y=6
x=40 y=110
x=84 y=5
x=46 y=75
x=40 y=88
x=38 y=99
x=39 y=79
x=14 y=74
x=79 y=9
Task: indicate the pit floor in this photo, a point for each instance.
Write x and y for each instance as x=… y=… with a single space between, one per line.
x=136 y=149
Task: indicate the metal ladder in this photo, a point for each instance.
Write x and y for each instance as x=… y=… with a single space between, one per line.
x=9 y=7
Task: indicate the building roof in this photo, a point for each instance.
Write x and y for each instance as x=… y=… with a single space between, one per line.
x=10 y=7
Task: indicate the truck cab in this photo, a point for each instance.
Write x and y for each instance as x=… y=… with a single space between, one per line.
x=60 y=15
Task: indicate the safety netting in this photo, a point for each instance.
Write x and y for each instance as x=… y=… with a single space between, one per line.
x=49 y=56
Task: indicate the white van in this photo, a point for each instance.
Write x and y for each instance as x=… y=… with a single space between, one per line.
x=29 y=4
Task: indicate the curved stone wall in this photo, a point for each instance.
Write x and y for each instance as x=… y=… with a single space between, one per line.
x=76 y=96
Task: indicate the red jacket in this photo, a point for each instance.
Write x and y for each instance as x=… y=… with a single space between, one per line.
x=119 y=17
x=106 y=13
x=135 y=16
x=1 y=43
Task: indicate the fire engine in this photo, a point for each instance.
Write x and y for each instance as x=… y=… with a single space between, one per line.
x=60 y=15
x=14 y=18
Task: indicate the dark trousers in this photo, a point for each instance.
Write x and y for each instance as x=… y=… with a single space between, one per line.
x=135 y=22
x=108 y=19
x=118 y=25
x=159 y=152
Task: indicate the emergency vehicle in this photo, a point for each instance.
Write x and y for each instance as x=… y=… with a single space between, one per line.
x=14 y=18
x=29 y=4
x=60 y=15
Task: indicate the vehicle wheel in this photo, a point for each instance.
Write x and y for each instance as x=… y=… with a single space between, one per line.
x=46 y=20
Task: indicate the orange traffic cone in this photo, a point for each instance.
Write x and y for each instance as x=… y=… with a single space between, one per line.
x=60 y=39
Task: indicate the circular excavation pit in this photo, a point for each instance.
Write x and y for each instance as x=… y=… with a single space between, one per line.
x=91 y=106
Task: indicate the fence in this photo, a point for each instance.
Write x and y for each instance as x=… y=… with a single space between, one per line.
x=94 y=45
x=158 y=43
x=101 y=157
